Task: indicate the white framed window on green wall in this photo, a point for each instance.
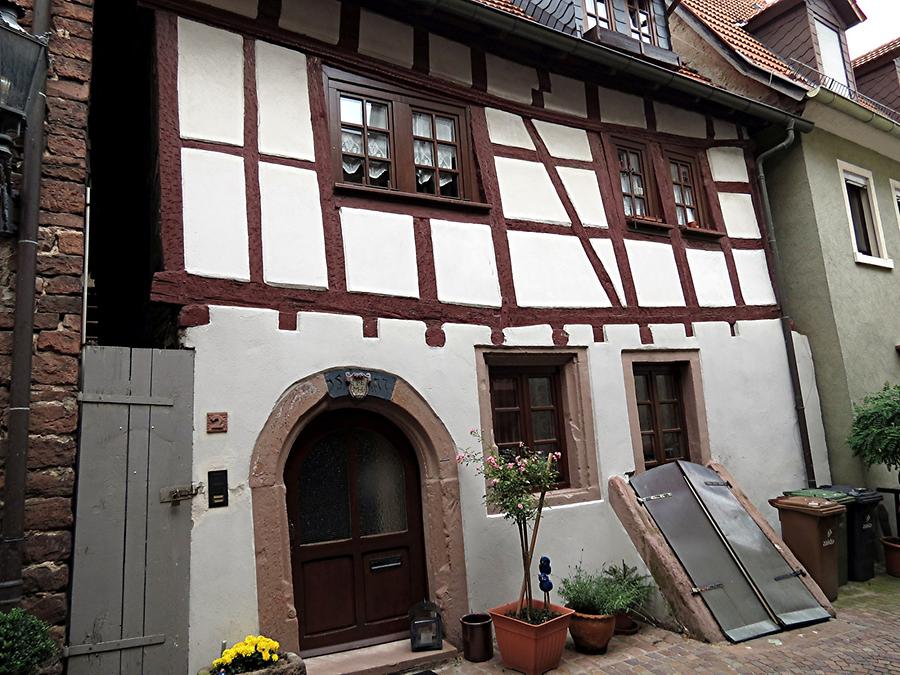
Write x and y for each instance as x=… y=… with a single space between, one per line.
x=863 y=216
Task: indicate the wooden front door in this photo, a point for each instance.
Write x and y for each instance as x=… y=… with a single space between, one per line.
x=357 y=552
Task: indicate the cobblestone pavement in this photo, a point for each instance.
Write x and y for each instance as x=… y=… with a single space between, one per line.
x=865 y=638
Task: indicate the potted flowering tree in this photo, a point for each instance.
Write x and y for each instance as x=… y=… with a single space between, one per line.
x=530 y=634
x=256 y=654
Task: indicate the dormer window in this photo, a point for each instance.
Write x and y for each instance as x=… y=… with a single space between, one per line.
x=833 y=64
x=640 y=19
x=597 y=13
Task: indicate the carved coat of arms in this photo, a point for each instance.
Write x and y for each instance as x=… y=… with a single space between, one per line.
x=358 y=383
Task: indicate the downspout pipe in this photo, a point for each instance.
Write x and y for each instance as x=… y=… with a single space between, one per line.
x=11 y=544
x=786 y=331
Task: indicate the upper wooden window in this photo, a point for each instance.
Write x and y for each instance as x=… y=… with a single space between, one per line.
x=660 y=405
x=526 y=407
x=689 y=211
x=598 y=13
x=636 y=182
x=388 y=139
x=640 y=20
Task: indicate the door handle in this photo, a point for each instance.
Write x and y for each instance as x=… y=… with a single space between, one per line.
x=385 y=563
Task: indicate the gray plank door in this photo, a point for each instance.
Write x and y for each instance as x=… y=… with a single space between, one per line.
x=131 y=566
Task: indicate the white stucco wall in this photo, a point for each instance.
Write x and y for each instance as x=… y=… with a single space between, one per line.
x=655 y=273
x=285 y=127
x=757 y=440
x=510 y=80
x=617 y=107
x=565 y=95
x=385 y=38
x=449 y=60
x=210 y=83
x=527 y=193
x=246 y=8
x=739 y=215
x=604 y=250
x=753 y=275
x=507 y=129
x=583 y=189
x=465 y=267
x=319 y=19
x=728 y=164
x=564 y=142
x=710 y=276
x=673 y=120
x=214 y=214
x=379 y=252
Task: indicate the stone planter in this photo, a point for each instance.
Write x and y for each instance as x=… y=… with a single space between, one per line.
x=592 y=632
x=892 y=555
x=289 y=664
x=528 y=648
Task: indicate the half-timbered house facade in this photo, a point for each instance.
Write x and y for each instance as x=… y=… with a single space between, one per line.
x=388 y=224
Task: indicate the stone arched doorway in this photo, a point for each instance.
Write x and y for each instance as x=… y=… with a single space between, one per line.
x=399 y=403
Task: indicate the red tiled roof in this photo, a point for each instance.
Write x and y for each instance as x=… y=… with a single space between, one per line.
x=893 y=45
x=504 y=6
x=725 y=18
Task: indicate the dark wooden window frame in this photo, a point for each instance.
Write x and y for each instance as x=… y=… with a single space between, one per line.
x=701 y=199
x=521 y=374
x=610 y=13
x=654 y=214
x=676 y=371
x=633 y=5
x=401 y=104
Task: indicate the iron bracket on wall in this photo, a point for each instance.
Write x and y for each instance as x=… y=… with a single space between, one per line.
x=717 y=483
x=651 y=498
x=696 y=590
x=178 y=493
x=790 y=575
x=113 y=645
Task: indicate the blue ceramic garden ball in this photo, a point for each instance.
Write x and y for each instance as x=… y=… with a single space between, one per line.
x=544 y=565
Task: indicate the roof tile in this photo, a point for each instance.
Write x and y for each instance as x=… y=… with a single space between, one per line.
x=877 y=52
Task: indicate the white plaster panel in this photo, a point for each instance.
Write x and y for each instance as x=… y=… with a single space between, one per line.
x=385 y=38
x=319 y=19
x=565 y=95
x=464 y=263
x=673 y=120
x=527 y=193
x=271 y=360
x=584 y=191
x=728 y=164
x=528 y=336
x=739 y=215
x=449 y=60
x=285 y=125
x=564 y=142
x=215 y=214
x=604 y=250
x=510 y=80
x=379 y=252
x=711 y=280
x=723 y=130
x=617 y=107
x=210 y=83
x=655 y=274
x=813 y=408
x=507 y=129
x=552 y=270
x=670 y=336
x=753 y=275
x=293 y=241
x=246 y=8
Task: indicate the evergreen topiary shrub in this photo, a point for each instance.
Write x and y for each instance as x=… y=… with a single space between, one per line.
x=875 y=434
x=25 y=643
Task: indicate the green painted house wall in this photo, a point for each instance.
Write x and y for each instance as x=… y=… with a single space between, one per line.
x=849 y=310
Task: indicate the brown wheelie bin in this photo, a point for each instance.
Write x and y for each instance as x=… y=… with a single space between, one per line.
x=809 y=528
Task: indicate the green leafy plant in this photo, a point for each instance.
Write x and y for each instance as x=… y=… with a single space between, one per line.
x=517 y=480
x=614 y=590
x=875 y=434
x=25 y=643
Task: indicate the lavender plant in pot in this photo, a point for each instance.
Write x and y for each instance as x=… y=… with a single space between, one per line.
x=875 y=438
x=530 y=633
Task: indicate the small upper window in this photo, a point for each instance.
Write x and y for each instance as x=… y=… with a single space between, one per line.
x=832 y=52
x=597 y=13
x=635 y=180
x=640 y=19
x=388 y=139
x=661 y=417
x=684 y=185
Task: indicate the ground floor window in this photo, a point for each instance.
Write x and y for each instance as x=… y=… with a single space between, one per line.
x=541 y=397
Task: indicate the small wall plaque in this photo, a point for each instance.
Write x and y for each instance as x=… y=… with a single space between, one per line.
x=217 y=422
x=217 y=488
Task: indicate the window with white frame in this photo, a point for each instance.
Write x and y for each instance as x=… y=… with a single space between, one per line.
x=862 y=212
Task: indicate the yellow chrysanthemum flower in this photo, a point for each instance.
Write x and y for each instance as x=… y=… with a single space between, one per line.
x=274 y=657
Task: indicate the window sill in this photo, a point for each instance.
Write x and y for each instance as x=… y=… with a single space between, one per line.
x=351 y=189
x=645 y=226
x=569 y=496
x=863 y=259
x=701 y=233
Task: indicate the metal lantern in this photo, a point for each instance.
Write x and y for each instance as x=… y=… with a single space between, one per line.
x=20 y=54
x=426 y=627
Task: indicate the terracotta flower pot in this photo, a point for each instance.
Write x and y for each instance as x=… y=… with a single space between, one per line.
x=528 y=648
x=892 y=555
x=625 y=625
x=592 y=632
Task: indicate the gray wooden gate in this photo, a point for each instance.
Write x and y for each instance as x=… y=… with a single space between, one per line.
x=133 y=516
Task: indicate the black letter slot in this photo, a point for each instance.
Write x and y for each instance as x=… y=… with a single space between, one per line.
x=385 y=563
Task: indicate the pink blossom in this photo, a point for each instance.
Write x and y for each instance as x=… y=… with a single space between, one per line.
x=473 y=432
x=521 y=469
x=519 y=506
x=495 y=481
x=460 y=458
x=558 y=455
x=510 y=465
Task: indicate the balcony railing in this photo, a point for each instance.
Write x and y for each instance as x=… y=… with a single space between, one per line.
x=817 y=79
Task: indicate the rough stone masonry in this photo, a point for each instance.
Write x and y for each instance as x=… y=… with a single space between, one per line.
x=57 y=324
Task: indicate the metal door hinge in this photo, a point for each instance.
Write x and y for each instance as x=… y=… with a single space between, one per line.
x=113 y=645
x=178 y=493
x=662 y=495
x=696 y=590
x=790 y=575
x=718 y=483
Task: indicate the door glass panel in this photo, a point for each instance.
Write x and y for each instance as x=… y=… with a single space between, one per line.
x=543 y=425
x=380 y=486
x=539 y=389
x=324 y=513
x=504 y=393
